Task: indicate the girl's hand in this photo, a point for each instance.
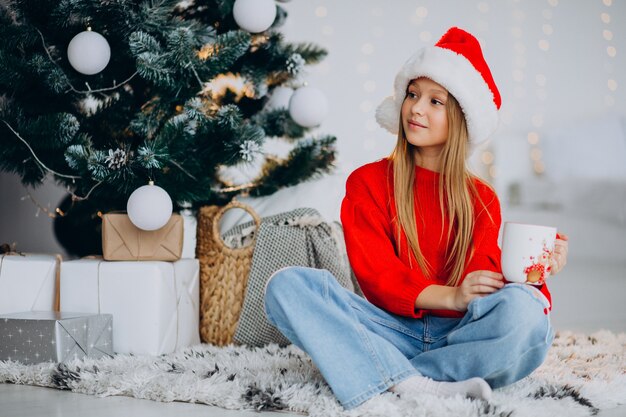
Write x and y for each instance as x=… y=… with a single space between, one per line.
x=476 y=284
x=559 y=256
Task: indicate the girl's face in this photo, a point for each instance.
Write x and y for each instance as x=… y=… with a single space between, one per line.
x=424 y=115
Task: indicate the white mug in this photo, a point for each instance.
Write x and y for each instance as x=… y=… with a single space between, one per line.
x=527 y=252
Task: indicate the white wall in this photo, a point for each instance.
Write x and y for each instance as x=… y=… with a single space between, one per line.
x=368 y=40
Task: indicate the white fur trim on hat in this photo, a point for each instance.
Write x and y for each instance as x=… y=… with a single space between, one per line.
x=454 y=72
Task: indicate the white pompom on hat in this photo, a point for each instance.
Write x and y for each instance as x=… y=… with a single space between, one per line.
x=457 y=63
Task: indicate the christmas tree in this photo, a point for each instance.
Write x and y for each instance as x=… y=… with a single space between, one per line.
x=102 y=96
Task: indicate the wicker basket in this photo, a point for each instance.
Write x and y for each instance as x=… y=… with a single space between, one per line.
x=223 y=275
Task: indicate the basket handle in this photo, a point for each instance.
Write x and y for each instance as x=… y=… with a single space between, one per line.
x=217 y=237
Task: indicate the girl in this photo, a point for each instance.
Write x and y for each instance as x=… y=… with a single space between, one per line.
x=421 y=234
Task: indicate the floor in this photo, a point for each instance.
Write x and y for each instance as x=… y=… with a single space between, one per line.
x=587 y=296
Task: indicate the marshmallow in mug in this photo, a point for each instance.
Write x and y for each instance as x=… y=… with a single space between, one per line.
x=527 y=252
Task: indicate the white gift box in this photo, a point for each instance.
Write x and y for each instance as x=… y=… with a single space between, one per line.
x=155 y=305
x=27 y=282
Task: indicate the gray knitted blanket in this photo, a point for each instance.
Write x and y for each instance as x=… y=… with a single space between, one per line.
x=299 y=237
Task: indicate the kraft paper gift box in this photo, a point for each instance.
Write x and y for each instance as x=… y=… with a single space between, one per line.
x=52 y=336
x=123 y=241
x=155 y=305
x=28 y=282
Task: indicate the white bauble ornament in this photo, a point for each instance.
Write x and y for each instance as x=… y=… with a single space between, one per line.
x=308 y=106
x=149 y=207
x=280 y=98
x=254 y=16
x=89 y=52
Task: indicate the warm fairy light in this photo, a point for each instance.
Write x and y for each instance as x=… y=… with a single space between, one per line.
x=369 y=86
x=547 y=29
x=493 y=171
x=421 y=12
x=367 y=48
x=607 y=34
x=607 y=3
x=611 y=51
x=553 y=3
x=533 y=138
x=541 y=80
x=541 y=94
x=99 y=214
x=612 y=84
x=487 y=157
x=321 y=11
x=258 y=41
x=544 y=45
x=363 y=68
x=535 y=154
x=606 y=18
x=609 y=100
x=483 y=7
x=377 y=12
x=235 y=83
x=366 y=106
x=59 y=211
x=369 y=144
x=539 y=167
x=179 y=108
x=378 y=31
x=425 y=36
x=206 y=51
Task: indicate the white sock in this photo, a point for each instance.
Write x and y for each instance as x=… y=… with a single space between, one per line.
x=473 y=387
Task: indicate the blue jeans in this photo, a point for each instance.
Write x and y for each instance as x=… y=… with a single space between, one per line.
x=362 y=350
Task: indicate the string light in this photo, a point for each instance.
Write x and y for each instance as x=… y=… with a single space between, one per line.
x=421 y=12
x=369 y=86
x=366 y=106
x=541 y=80
x=611 y=52
x=206 y=51
x=487 y=157
x=321 y=11
x=363 y=68
x=234 y=83
x=367 y=49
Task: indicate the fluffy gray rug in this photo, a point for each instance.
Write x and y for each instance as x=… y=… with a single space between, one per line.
x=582 y=375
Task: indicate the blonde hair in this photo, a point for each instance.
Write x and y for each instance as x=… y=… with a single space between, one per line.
x=456 y=192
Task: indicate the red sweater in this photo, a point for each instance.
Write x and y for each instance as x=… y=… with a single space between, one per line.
x=381 y=268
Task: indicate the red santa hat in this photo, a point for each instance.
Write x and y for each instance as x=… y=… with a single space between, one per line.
x=457 y=63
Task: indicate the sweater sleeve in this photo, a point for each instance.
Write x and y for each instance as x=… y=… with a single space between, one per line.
x=384 y=279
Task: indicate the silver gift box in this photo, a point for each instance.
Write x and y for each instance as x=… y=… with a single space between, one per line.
x=52 y=336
